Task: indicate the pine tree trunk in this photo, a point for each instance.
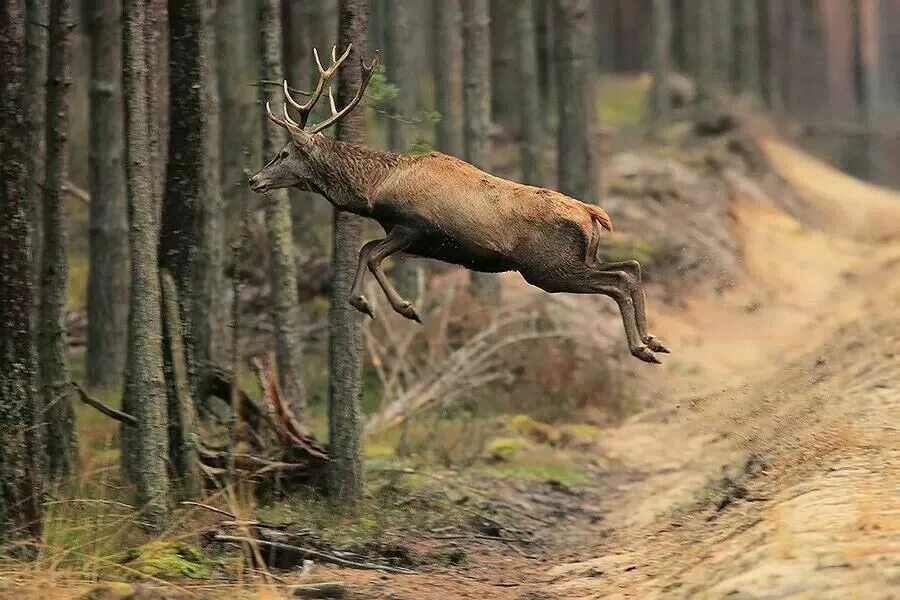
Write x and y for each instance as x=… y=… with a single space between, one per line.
x=604 y=34
x=749 y=78
x=504 y=48
x=345 y=466
x=477 y=110
x=706 y=44
x=107 y=298
x=210 y=307
x=575 y=162
x=531 y=117
x=37 y=15
x=156 y=37
x=284 y=303
x=62 y=446
x=20 y=448
x=723 y=41
x=145 y=391
x=400 y=68
x=447 y=55
x=776 y=50
x=660 y=98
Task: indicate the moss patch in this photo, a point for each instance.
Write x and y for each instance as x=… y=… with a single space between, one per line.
x=532 y=429
x=170 y=560
x=504 y=448
x=110 y=591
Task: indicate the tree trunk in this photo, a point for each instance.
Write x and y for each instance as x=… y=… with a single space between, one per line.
x=477 y=109
x=107 y=299
x=749 y=78
x=156 y=39
x=723 y=41
x=706 y=44
x=530 y=114
x=630 y=40
x=181 y=408
x=575 y=162
x=447 y=44
x=400 y=67
x=62 y=446
x=776 y=50
x=20 y=448
x=284 y=304
x=37 y=14
x=836 y=18
x=869 y=58
x=145 y=391
x=604 y=34
x=504 y=48
x=345 y=466
x=660 y=97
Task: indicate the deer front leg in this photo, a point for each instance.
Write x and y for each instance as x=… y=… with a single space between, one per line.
x=357 y=298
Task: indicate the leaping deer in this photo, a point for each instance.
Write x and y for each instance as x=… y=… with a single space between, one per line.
x=440 y=207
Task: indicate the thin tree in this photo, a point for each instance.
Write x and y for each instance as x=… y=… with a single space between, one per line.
x=447 y=55
x=156 y=37
x=575 y=161
x=345 y=467
x=107 y=297
x=706 y=44
x=145 y=392
x=37 y=14
x=748 y=75
x=20 y=449
x=723 y=41
x=62 y=446
x=660 y=98
x=401 y=68
x=504 y=48
x=284 y=304
x=477 y=108
x=530 y=115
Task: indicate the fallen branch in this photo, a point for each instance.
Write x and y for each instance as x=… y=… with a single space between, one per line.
x=314 y=553
x=118 y=415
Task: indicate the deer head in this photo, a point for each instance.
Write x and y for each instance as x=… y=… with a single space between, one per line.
x=292 y=166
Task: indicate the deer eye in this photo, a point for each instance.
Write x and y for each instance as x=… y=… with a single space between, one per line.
x=282 y=155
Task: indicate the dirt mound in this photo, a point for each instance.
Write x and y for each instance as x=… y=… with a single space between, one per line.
x=768 y=464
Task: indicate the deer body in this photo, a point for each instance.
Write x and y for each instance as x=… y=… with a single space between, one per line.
x=440 y=207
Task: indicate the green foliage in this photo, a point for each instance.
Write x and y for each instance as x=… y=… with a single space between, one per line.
x=169 y=560
x=504 y=448
x=114 y=590
x=381 y=91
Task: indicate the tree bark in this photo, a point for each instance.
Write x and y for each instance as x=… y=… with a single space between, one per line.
x=660 y=97
x=284 y=304
x=20 y=447
x=477 y=109
x=504 y=48
x=107 y=298
x=62 y=446
x=448 y=71
x=400 y=67
x=749 y=77
x=776 y=50
x=723 y=41
x=706 y=44
x=575 y=162
x=156 y=37
x=37 y=15
x=345 y=466
x=529 y=101
x=145 y=391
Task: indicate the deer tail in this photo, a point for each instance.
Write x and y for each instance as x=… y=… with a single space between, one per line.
x=600 y=216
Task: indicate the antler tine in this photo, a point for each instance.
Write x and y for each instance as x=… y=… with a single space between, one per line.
x=277 y=120
x=324 y=75
x=287 y=119
x=331 y=101
x=367 y=72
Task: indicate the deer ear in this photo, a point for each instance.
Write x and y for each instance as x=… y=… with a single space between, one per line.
x=303 y=140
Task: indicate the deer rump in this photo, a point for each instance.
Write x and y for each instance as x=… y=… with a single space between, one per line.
x=464 y=216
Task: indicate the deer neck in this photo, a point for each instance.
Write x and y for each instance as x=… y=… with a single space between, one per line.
x=348 y=174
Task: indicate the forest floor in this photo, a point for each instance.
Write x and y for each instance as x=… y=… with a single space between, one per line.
x=765 y=465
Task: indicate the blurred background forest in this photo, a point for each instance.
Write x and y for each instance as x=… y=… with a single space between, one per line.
x=640 y=106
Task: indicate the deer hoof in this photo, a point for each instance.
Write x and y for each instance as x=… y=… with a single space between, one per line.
x=407 y=310
x=645 y=354
x=361 y=304
x=654 y=344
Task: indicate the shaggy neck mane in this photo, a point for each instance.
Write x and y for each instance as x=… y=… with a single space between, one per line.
x=347 y=174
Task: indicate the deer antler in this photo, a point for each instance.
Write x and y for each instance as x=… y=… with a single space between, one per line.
x=306 y=108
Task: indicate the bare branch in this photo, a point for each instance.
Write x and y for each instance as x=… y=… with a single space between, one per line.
x=118 y=415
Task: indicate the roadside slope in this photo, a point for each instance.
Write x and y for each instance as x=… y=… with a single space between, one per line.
x=770 y=468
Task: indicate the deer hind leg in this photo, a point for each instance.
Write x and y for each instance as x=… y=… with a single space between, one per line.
x=397 y=240
x=635 y=287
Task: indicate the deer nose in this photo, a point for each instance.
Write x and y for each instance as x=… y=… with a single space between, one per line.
x=254 y=182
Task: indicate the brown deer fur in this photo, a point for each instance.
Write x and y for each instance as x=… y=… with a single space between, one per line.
x=440 y=207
